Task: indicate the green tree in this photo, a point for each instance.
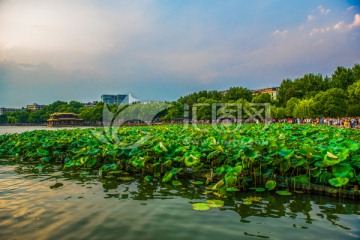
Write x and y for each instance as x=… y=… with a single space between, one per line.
x=305 y=109
x=290 y=106
x=354 y=99
x=36 y=116
x=356 y=72
x=342 y=78
x=236 y=93
x=286 y=91
x=331 y=103
x=262 y=98
x=3 y=119
x=277 y=112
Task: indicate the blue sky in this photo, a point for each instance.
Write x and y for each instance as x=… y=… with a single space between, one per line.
x=161 y=50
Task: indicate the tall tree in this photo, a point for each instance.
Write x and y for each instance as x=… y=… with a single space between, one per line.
x=262 y=98
x=354 y=99
x=236 y=93
x=331 y=103
x=290 y=106
x=342 y=78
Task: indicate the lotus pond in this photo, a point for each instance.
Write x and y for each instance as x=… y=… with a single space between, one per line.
x=180 y=181
x=227 y=159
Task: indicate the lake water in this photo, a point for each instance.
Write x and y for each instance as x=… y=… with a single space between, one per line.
x=56 y=205
x=20 y=129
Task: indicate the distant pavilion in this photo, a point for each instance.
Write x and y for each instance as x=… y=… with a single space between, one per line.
x=62 y=119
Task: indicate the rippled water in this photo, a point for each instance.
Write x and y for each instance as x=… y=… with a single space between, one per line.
x=53 y=205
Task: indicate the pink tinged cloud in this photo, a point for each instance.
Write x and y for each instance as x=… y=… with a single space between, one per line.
x=356 y=22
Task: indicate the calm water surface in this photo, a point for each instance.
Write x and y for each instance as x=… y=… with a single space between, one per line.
x=56 y=205
x=20 y=129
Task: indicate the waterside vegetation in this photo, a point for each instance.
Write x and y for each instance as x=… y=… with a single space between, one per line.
x=254 y=156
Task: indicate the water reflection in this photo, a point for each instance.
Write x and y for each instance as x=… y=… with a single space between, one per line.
x=48 y=199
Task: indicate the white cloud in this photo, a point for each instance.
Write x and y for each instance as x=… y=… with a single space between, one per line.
x=323 y=10
x=339 y=25
x=356 y=22
x=319 y=30
x=310 y=18
x=279 y=33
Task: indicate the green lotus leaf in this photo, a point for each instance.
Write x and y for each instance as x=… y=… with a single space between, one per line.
x=175 y=171
x=223 y=169
x=219 y=195
x=343 y=153
x=253 y=199
x=246 y=140
x=92 y=162
x=168 y=163
x=218 y=185
x=247 y=202
x=198 y=182
x=285 y=165
x=237 y=170
x=230 y=181
x=176 y=183
x=343 y=170
x=300 y=162
x=69 y=164
x=126 y=178
x=338 y=182
x=167 y=177
x=211 y=140
x=191 y=160
x=232 y=189
x=200 y=206
x=39 y=168
x=270 y=184
x=84 y=173
x=301 y=179
x=330 y=161
x=137 y=161
x=213 y=154
x=283 y=192
x=251 y=153
x=260 y=189
x=215 y=203
x=161 y=145
x=351 y=145
x=286 y=153
x=307 y=149
x=324 y=177
x=108 y=167
x=148 y=178
x=94 y=151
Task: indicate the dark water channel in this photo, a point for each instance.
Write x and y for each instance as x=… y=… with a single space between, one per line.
x=55 y=205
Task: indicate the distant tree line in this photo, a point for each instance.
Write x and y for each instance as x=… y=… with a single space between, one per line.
x=310 y=96
x=307 y=97
x=91 y=115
